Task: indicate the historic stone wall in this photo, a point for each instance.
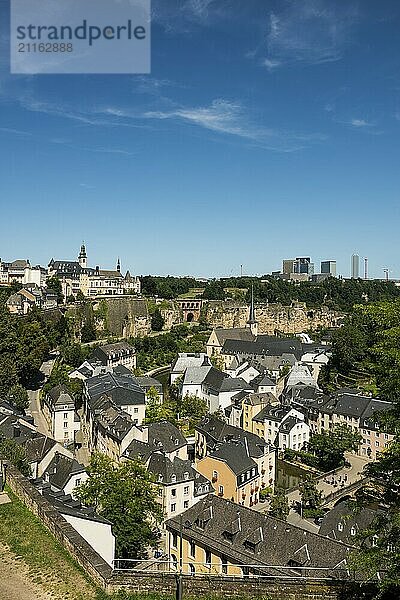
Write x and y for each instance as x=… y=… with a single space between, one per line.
x=272 y=318
x=123 y=317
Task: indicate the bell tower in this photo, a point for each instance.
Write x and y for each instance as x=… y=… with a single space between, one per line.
x=252 y=324
x=82 y=258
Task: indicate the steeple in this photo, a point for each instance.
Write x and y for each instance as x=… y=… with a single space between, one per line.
x=118 y=266
x=82 y=258
x=252 y=324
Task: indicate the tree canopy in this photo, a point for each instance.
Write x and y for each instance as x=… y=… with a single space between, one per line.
x=125 y=494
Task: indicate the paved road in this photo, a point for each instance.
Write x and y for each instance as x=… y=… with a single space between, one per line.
x=36 y=413
x=34 y=402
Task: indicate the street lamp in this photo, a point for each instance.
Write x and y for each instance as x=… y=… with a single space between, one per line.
x=179 y=577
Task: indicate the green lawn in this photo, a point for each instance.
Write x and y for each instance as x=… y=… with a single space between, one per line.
x=48 y=563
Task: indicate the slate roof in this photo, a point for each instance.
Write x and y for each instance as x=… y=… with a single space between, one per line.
x=355 y=406
x=61 y=469
x=65 y=504
x=113 y=421
x=119 y=349
x=289 y=423
x=234 y=333
x=148 y=382
x=258 y=539
x=190 y=359
x=259 y=399
x=272 y=412
x=344 y=524
x=216 y=431
x=60 y=396
x=264 y=345
x=165 y=436
x=123 y=390
x=230 y=384
x=235 y=453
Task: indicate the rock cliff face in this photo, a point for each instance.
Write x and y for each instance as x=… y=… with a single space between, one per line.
x=123 y=317
x=272 y=318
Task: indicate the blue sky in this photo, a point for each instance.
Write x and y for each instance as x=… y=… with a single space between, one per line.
x=266 y=130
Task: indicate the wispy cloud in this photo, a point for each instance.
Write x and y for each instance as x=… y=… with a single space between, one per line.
x=271 y=64
x=226 y=117
x=309 y=32
x=360 y=123
x=181 y=16
x=12 y=131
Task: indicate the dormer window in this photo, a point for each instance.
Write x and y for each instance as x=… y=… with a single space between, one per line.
x=340 y=526
x=186 y=475
x=353 y=531
x=176 y=442
x=173 y=478
x=160 y=478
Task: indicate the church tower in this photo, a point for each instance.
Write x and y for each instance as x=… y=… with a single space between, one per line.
x=82 y=258
x=118 y=266
x=252 y=324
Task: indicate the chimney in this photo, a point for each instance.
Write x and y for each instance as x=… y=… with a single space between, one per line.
x=16 y=431
x=97 y=270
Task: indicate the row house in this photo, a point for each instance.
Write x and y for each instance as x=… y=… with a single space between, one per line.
x=179 y=484
x=348 y=407
x=113 y=355
x=223 y=538
x=58 y=408
x=241 y=462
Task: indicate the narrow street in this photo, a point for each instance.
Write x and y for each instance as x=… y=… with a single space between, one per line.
x=34 y=401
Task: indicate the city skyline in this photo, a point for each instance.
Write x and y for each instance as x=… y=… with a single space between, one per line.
x=267 y=128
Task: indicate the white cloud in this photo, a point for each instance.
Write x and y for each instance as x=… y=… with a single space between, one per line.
x=271 y=64
x=309 y=32
x=226 y=117
x=360 y=123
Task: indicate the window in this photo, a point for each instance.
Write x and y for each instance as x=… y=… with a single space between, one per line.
x=78 y=482
x=160 y=492
x=186 y=476
x=186 y=490
x=65 y=435
x=65 y=415
x=173 y=478
x=65 y=424
x=353 y=531
x=221 y=490
x=253 y=472
x=174 y=540
x=173 y=507
x=215 y=475
x=192 y=569
x=192 y=548
x=173 y=492
x=207 y=561
x=377 y=443
x=135 y=410
x=340 y=526
x=186 y=504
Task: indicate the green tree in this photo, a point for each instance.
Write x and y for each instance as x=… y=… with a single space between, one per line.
x=329 y=446
x=309 y=494
x=53 y=283
x=88 y=332
x=125 y=494
x=379 y=544
x=191 y=408
x=279 y=506
x=8 y=374
x=156 y=410
x=18 y=396
x=16 y=454
x=157 y=321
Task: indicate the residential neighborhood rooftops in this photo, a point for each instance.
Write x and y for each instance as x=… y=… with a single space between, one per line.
x=258 y=538
x=123 y=390
x=61 y=468
x=166 y=436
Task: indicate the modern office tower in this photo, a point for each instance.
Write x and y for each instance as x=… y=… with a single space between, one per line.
x=288 y=266
x=355 y=266
x=303 y=264
x=329 y=267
